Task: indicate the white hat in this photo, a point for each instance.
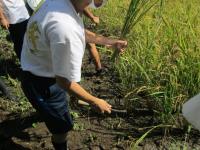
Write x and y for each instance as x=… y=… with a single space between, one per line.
x=92 y=4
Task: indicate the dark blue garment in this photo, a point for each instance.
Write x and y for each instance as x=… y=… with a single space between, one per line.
x=17 y=32
x=49 y=100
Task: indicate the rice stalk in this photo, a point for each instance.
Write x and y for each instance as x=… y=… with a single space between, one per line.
x=136 y=11
x=135 y=146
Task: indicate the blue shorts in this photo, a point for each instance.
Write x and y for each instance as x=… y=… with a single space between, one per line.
x=49 y=100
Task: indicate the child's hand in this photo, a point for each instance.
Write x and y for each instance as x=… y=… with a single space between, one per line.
x=95 y=20
x=4 y=23
x=103 y=106
x=120 y=45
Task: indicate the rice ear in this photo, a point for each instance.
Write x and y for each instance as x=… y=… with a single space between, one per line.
x=136 y=11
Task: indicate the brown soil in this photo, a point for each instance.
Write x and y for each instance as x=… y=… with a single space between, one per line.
x=92 y=131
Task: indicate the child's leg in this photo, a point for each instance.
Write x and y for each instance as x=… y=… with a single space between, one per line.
x=95 y=55
x=59 y=141
x=51 y=102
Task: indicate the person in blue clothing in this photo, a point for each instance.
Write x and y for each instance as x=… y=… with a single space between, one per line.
x=14 y=17
x=51 y=61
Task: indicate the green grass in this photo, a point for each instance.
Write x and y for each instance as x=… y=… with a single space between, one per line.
x=136 y=11
x=9 y=64
x=161 y=63
x=162 y=58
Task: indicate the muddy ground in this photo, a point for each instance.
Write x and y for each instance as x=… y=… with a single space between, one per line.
x=92 y=131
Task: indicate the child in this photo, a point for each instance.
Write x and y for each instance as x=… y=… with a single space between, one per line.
x=92 y=47
x=14 y=17
x=51 y=62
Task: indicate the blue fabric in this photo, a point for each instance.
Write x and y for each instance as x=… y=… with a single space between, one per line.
x=17 y=32
x=50 y=101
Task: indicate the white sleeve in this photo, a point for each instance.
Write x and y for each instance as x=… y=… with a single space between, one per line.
x=67 y=50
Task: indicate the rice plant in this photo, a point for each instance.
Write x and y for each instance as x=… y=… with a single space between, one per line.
x=136 y=11
x=163 y=57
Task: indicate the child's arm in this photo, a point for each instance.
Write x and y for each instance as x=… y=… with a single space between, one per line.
x=90 y=15
x=102 y=40
x=3 y=20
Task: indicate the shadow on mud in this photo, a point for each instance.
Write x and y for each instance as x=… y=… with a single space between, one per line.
x=13 y=126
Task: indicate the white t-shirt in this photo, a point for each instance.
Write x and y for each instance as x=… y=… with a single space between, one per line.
x=54 y=43
x=15 y=11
